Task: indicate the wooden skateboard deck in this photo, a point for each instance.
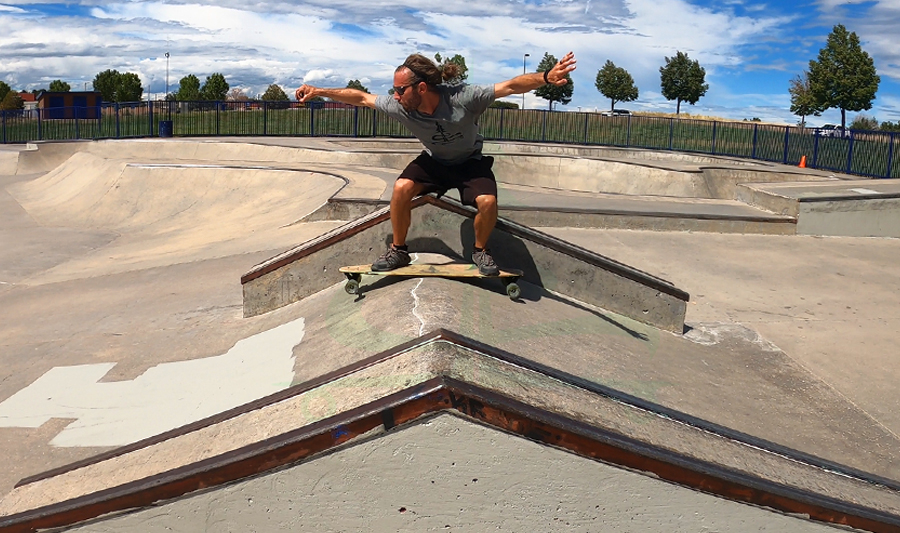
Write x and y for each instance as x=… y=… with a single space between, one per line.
x=450 y=270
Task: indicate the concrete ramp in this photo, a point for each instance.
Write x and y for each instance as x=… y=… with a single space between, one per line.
x=468 y=402
x=445 y=227
x=172 y=213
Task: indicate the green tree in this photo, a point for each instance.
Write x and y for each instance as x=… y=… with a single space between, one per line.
x=682 y=80
x=844 y=75
x=803 y=103
x=356 y=84
x=12 y=101
x=277 y=96
x=616 y=84
x=459 y=61
x=890 y=126
x=4 y=88
x=554 y=93
x=215 y=88
x=130 y=88
x=504 y=105
x=188 y=89
x=59 y=86
x=106 y=82
x=115 y=86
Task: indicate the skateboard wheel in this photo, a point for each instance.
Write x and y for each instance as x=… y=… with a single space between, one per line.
x=513 y=291
x=352 y=286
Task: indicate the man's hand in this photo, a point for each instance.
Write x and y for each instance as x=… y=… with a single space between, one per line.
x=348 y=96
x=557 y=74
x=305 y=92
x=529 y=82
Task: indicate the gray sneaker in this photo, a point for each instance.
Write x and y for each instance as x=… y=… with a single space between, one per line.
x=391 y=259
x=486 y=265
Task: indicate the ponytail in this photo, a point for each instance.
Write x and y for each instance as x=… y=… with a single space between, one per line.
x=425 y=70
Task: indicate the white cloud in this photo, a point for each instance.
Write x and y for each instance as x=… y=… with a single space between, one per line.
x=331 y=41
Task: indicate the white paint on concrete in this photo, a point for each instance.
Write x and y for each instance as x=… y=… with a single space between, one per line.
x=865 y=191
x=166 y=396
x=415 y=310
x=712 y=333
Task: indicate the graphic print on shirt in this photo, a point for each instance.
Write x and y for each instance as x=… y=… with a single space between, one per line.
x=441 y=136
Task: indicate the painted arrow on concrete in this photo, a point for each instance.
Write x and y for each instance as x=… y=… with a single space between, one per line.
x=164 y=397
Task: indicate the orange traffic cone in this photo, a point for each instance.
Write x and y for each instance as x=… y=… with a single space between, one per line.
x=803 y=161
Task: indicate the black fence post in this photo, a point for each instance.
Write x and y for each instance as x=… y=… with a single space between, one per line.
x=585 y=127
x=312 y=120
x=118 y=124
x=77 y=129
x=850 y=153
x=628 y=132
x=544 y=126
x=671 y=132
x=265 y=104
x=3 y=127
x=815 y=157
x=218 y=129
x=715 y=123
x=502 y=115
x=755 y=137
x=355 y=121
x=890 y=154
x=787 y=140
x=40 y=125
x=150 y=114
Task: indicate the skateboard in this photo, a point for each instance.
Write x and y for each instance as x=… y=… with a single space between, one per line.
x=509 y=277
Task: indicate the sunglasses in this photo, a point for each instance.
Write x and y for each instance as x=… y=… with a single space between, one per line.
x=402 y=89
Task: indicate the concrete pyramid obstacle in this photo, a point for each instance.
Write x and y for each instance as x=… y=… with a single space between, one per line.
x=445 y=226
x=253 y=453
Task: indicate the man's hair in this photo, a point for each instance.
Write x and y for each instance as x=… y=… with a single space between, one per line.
x=425 y=70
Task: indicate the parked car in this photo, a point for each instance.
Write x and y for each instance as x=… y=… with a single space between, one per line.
x=616 y=113
x=832 y=130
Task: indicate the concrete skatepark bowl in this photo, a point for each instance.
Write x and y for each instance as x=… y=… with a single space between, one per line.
x=700 y=343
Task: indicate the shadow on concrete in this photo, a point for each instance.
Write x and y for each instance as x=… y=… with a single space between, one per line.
x=606 y=318
x=508 y=251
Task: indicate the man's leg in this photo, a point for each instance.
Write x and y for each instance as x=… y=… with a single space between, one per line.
x=405 y=190
x=485 y=219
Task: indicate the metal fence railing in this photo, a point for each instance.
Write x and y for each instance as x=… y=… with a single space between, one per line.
x=863 y=153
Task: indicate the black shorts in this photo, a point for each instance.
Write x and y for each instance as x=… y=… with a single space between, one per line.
x=472 y=178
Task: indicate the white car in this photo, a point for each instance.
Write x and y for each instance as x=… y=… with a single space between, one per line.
x=616 y=113
x=832 y=130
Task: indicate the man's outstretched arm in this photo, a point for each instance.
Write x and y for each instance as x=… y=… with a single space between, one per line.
x=346 y=96
x=529 y=82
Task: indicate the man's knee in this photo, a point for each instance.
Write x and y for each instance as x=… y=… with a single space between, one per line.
x=486 y=202
x=406 y=188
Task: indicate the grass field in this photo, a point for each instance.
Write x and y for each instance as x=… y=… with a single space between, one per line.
x=872 y=154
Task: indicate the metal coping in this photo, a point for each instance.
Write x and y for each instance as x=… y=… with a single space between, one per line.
x=518 y=230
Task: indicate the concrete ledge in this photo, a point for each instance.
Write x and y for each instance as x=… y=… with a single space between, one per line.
x=858 y=208
x=445 y=227
x=651 y=221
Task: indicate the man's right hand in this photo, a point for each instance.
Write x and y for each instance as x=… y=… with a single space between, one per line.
x=305 y=92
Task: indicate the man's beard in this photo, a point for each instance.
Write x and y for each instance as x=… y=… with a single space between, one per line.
x=413 y=103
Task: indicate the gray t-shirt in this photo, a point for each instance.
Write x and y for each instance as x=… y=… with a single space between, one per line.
x=450 y=135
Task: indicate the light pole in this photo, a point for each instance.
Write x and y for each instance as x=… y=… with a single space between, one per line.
x=523 y=73
x=167 y=75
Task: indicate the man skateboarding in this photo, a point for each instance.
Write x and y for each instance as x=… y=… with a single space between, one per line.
x=444 y=118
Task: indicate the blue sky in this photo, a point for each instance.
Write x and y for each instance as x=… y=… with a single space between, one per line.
x=749 y=48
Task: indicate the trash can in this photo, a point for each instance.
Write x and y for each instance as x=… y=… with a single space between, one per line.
x=165 y=128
